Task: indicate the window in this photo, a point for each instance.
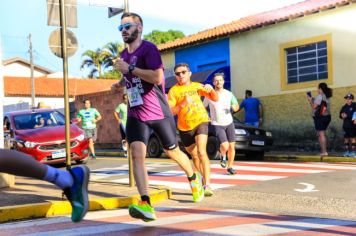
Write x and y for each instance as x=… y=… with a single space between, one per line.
x=306 y=63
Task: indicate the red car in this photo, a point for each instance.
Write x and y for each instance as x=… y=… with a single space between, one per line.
x=41 y=134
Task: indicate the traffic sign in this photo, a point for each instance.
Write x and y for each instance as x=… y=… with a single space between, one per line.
x=55 y=43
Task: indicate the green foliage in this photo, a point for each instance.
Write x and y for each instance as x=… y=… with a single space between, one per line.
x=113 y=74
x=99 y=62
x=159 y=37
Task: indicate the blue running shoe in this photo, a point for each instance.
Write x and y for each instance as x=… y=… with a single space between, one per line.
x=77 y=195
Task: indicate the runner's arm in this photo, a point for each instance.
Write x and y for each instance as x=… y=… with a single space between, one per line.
x=208 y=91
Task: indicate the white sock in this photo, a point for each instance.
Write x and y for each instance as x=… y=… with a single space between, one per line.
x=62 y=178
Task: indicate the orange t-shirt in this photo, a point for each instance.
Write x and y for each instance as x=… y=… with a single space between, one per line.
x=194 y=113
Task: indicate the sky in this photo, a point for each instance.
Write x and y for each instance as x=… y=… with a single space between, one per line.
x=95 y=29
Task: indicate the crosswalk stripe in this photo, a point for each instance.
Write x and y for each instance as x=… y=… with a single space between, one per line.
x=247 y=173
x=182 y=221
x=335 y=166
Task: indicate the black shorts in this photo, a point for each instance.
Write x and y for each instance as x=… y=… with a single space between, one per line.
x=122 y=131
x=321 y=123
x=188 y=137
x=165 y=130
x=225 y=133
x=350 y=132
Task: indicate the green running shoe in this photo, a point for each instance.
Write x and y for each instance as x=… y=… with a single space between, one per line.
x=197 y=188
x=208 y=192
x=77 y=195
x=143 y=211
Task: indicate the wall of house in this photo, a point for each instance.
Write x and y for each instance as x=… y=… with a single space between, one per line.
x=256 y=65
x=52 y=102
x=105 y=103
x=19 y=70
x=168 y=59
x=255 y=55
x=207 y=56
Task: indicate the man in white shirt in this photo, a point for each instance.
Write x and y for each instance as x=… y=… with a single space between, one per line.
x=222 y=121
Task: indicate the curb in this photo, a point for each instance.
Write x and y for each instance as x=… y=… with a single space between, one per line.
x=56 y=208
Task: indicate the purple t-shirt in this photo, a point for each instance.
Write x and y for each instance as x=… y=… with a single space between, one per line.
x=154 y=103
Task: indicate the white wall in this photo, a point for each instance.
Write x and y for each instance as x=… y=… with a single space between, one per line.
x=48 y=101
x=19 y=70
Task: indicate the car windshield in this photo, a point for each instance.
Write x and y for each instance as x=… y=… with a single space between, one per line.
x=45 y=119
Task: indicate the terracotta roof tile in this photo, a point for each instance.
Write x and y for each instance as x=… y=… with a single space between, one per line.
x=254 y=21
x=54 y=87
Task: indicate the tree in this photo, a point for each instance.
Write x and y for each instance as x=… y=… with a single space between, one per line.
x=93 y=60
x=111 y=51
x=159 y=37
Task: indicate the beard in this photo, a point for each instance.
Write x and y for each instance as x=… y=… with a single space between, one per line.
x=131 y=37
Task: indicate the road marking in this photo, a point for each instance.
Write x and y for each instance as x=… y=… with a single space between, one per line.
x=308 y=188
x=181 y=221
x=247 y=173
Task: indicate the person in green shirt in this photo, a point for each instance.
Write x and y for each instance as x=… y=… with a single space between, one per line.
x=121 y=117
x=89 y=117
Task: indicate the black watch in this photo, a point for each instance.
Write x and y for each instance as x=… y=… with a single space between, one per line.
x=131 y=68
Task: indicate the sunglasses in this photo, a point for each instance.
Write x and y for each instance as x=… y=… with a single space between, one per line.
x=180 y=72
x=126 y=26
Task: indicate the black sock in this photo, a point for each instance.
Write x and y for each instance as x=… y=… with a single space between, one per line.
x=146 y=199
x=193 y=177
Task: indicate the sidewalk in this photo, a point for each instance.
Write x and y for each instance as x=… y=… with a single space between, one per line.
x=31 y=198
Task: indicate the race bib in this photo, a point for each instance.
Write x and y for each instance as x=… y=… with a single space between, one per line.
x=134 y=97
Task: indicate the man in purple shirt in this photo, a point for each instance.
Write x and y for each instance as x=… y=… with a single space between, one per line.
x=142 y=69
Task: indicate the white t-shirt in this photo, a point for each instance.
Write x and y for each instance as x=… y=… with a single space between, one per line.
x=354 y=116
x=220 y=111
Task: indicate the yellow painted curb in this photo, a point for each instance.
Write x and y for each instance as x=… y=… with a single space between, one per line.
x=53 y=208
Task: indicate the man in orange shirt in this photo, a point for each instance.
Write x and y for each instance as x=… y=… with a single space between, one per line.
x=184 y=99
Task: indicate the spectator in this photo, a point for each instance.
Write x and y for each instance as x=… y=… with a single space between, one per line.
x=321 y=114
x=253 y=110
x=121 y=117
x=89 y=117
x=40 y=123
x=349 y=128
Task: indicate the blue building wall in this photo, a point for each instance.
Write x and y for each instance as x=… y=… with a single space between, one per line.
x=208 y=56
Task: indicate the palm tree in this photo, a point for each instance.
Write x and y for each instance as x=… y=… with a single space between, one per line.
x=111 y=51
x=94 y=61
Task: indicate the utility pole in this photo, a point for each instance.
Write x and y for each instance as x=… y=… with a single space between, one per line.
x=126 y=7
x=32 y=70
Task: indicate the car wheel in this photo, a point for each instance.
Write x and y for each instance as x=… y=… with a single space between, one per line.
x=154 y=148
x=255 y=155
x=212 y=148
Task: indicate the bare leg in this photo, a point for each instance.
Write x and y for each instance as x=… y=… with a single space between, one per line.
x=224 y=148
x=91 y=146
x=192 y=150
x=201 y=141
x=138 y=153
x=322 y=142
x=183 y=161
x=17 y=163
x=231 y=155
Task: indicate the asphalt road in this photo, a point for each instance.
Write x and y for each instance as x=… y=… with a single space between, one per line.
x=303 y=189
